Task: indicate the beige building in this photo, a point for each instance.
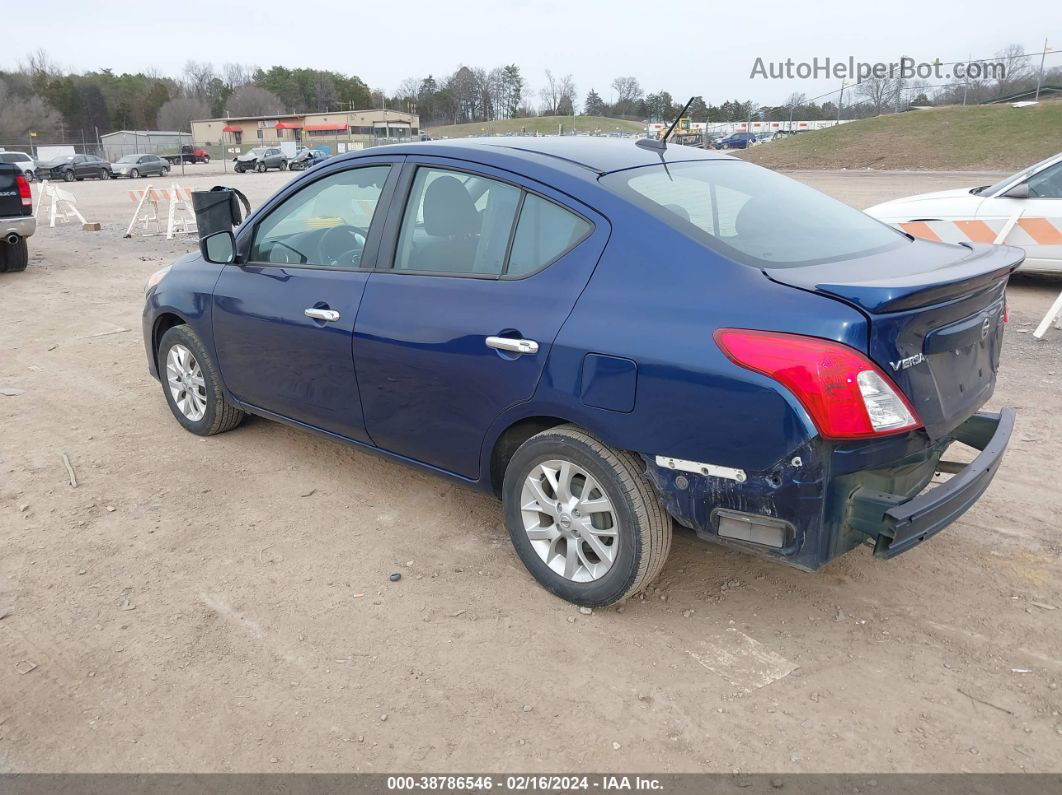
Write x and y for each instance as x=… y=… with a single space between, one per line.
x=335 y=132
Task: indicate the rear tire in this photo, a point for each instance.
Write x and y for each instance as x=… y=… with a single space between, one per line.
x=618 y=549
x=14 y=258
x=192 y=384
x=165 y=171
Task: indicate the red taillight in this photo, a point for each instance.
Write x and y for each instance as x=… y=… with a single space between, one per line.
x=24 y=191
x=847 y=396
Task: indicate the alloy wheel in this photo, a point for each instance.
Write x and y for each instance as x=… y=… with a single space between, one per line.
x=570 y=520
x=187 y=385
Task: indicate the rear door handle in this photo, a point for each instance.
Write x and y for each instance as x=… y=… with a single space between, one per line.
x=511 y=345
x=328 y=315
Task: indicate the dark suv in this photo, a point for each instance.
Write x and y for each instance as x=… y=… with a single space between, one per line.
x=16 y=218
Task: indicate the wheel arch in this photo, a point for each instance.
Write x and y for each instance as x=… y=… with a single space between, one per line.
x=163 y=323
x=510 y=439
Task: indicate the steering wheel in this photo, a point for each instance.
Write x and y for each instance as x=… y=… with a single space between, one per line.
x=342 y=245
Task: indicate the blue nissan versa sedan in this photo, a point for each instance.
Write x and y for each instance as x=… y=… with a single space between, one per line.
x=607 y=337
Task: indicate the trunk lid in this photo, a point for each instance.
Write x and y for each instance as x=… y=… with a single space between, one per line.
x=936 y=319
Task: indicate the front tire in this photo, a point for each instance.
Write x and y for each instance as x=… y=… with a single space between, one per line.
x=134 y=174
x=68 y=176
x=192 y=384
x=583 y=517
x=261 y=168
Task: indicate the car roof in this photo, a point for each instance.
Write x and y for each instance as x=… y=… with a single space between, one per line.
x=593 y=155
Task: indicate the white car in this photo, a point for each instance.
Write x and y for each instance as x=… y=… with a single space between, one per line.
x=22 y=160
x=979 y=214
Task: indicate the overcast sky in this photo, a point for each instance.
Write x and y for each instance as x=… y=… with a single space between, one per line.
x=682 y=46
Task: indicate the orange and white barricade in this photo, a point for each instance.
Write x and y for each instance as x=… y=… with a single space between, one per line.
x=1014 y=231
x=147 y=211
x=1024 y=232
x=180 y=219
x=62 y=204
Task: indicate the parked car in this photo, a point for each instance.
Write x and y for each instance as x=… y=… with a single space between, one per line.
x=1036 y=191
x=606 y=335
x=22 y=160
x=16 y=218
x=306 y=158
x=768 y=137
x=189 y=154
x=74 y=167
x=738 y=140
x=261 y=159
x=135 y=166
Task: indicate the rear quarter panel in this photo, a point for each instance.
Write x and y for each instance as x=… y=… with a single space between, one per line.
x=656 y=298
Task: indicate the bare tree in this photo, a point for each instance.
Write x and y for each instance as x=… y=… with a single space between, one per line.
x=253 y=101
x=627 y=89
x=234 y=75
x=558 y=95
x=21 y=115
x=177 y=114
x=550 y=94
x=878 y=91
x=1016 y=68
x=406 y=93
x=197 y=78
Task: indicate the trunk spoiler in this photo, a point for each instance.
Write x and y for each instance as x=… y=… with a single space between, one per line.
x=924 y=277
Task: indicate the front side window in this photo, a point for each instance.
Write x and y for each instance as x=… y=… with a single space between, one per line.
x=325 y=224
x=456 y=223
x=752 y=215
x=1047 y=184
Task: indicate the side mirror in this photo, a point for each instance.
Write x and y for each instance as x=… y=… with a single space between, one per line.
x=219 y=248
x=1020 y=191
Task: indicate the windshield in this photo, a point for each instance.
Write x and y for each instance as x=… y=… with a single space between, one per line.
x=993 y=189
x=752 y=215
x=258 y=151
x=127 y=159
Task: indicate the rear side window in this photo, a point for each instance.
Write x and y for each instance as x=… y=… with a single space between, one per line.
x=467 y=224
x=544 y=232
x=456 y=223
x=752 y=215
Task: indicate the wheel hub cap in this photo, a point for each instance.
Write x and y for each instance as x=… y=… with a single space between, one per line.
x=186 y=383
x=570 y=520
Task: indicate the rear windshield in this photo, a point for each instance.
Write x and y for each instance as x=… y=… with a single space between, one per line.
x=752 y=215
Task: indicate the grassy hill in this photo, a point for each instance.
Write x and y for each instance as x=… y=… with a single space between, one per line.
x=543 y=125
x=984 y=137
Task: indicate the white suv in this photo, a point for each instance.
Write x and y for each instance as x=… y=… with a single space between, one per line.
x=22 y=160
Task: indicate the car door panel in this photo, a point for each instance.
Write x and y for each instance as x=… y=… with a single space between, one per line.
x=430 y=384
x=272 y=355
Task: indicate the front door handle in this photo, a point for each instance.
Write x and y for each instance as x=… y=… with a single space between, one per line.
x=328 y=315
x=511 y=345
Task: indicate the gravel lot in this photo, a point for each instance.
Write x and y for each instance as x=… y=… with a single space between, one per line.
x=224 y=604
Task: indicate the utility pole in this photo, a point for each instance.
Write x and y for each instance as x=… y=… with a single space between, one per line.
x=1040 y=77
x=966 y=80
x=840 y=101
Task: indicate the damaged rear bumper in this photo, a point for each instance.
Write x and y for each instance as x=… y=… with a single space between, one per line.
x=899 y=523
x=824 y=499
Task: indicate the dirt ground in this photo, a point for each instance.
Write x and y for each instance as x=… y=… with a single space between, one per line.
x=224 y=604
